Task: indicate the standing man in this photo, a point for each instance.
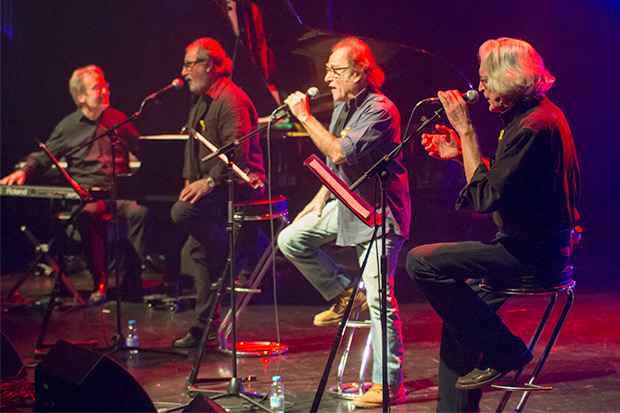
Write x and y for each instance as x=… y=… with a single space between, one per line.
x=91 y=166
x=365 y=126
x=222 y=113
x=531 y=187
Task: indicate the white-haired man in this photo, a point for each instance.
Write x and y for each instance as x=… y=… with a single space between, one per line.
x=531 y=188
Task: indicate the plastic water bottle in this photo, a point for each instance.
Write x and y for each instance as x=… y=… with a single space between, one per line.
x=276 y=396
x=132 y=336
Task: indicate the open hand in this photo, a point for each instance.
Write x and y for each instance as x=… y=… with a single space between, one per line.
x=16 y=178
x=445 y=145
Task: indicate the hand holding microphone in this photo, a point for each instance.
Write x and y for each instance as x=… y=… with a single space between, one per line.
x=297 y=102
x=471 y=96
x=455 y=105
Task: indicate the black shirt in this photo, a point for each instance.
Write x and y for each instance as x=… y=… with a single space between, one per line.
x=532 y=186
x=91 y=165
x=222 y=116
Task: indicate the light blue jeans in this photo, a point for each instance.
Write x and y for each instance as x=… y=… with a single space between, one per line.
x=301 y=243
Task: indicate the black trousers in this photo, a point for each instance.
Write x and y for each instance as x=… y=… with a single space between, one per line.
x=95 y=229
x=205 y=223
x=473 y=334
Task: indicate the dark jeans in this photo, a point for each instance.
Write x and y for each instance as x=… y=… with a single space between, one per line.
x=95 y=230
x=205 y=223
x=471 y=328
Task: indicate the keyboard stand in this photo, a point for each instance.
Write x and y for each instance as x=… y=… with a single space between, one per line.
x=43 y=255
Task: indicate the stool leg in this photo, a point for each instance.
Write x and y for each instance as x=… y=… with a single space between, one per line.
x=364 y=364
x=262 y=267
x=556 y=332
x=343 y=361
x=531 y=345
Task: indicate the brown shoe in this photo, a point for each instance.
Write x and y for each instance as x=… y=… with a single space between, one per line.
x=374 y=397
x=335 y=313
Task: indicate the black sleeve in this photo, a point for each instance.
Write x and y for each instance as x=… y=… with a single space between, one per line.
x=512 y=171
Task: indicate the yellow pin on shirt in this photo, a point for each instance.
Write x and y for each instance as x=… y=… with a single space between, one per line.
x=501 y=135
x=202 y=123
x=344 y=131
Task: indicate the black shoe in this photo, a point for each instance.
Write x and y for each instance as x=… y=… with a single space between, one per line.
x=128 y=294
x=478 y=378
x=192 y=338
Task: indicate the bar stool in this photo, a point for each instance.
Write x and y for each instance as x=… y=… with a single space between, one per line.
x=530 y=287
x=253 y=212
x=350 y=390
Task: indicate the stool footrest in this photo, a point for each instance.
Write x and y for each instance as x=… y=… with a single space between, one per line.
x=521 y=387
x=358 y=324
x=349 y=390
x=246 y=290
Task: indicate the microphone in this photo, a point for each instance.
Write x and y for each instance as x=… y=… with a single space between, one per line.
x=471 y=96
x=176 y=84
x=312 y=93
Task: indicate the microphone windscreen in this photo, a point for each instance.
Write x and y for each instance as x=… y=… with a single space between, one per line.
x=177 y=83
x=471 y=96
x=313 y=92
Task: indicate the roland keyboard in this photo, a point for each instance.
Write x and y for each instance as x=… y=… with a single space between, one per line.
x=39 y=191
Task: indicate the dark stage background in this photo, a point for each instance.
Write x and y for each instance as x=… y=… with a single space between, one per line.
x=140 y=47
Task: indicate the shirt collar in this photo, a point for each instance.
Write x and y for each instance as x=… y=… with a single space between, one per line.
x=218 y=87
x=83 y=117
x=358 y=99
x=518 y=109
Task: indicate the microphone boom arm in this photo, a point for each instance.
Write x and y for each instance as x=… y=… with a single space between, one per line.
x=378 y=166
x=230 y=146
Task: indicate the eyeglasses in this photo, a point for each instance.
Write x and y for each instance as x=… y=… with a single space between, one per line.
x=335 y=71
x=190 y=65
x=100 y=86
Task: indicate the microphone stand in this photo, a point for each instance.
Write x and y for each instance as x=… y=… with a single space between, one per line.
x=275 y=116
x=380 y=167
x=235 y=383
x=118 y=340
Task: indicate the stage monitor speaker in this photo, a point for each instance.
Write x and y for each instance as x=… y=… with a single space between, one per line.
x=201 y=404
x=70 y=378
x=10 y=362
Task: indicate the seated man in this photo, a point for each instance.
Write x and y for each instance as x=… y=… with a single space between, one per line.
x=532 y=189
x=91 y=166
x=222 y=113
x=365 y=126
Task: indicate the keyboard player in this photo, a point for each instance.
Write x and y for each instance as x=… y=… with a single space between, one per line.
x=92 y=167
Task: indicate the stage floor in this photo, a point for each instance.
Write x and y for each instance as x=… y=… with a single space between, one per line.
x=582 y=368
